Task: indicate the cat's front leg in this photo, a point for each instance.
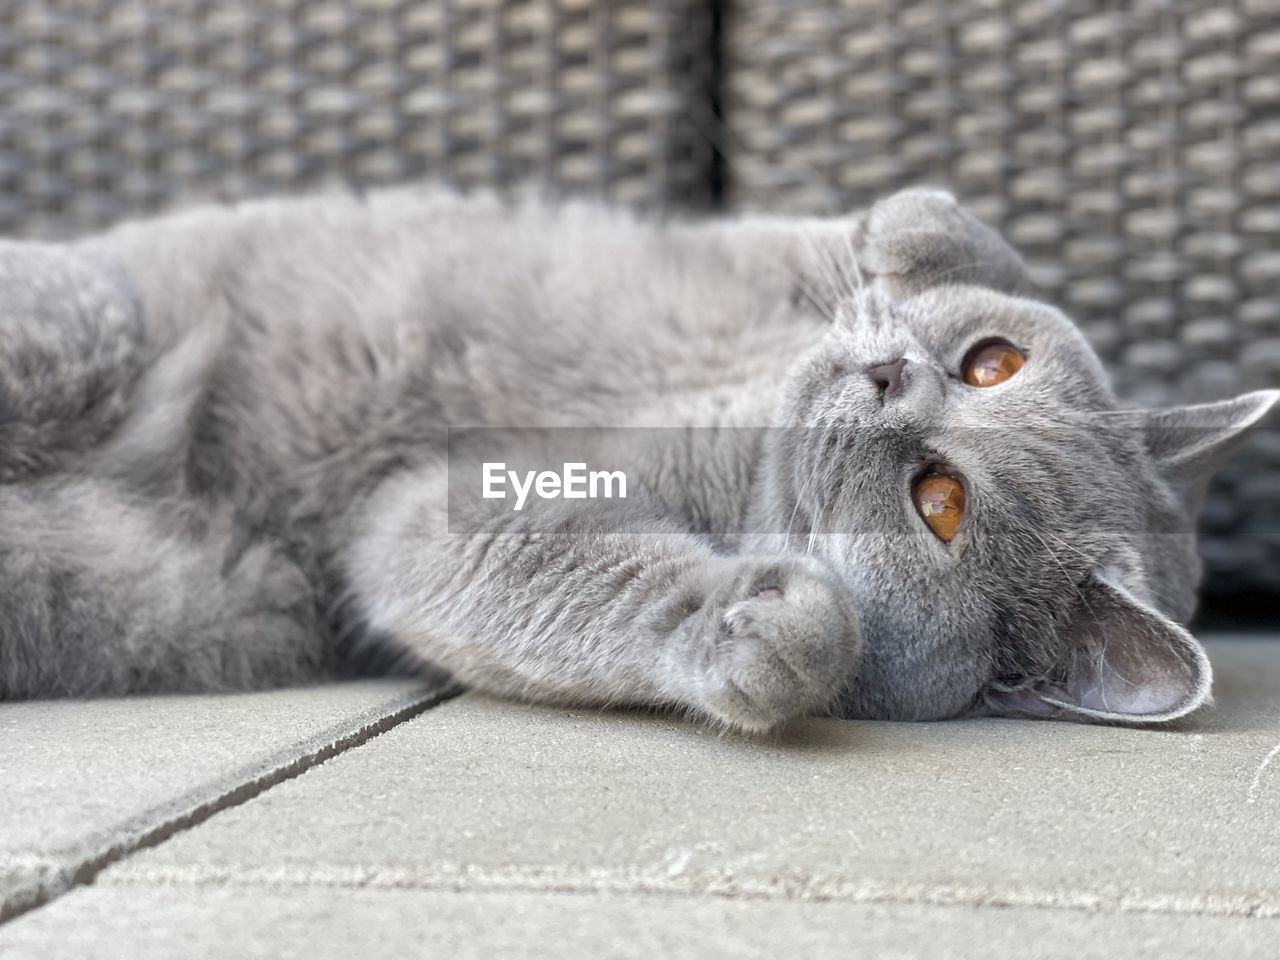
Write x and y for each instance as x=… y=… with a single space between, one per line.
x=601 y=607
x=778 y=636
x=904 y=244
x=917 y=239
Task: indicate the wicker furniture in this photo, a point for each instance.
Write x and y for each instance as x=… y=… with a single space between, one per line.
x=113 y=107
x=1131 y=148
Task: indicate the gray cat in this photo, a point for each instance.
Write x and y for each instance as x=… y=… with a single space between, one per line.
x=865 y=473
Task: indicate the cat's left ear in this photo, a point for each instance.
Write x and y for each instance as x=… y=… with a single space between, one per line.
x=1189 y=444
x=1126 y=661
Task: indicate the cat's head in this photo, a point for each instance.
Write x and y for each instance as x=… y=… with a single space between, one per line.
x=1015 y=542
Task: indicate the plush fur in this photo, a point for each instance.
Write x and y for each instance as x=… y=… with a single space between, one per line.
x=242 y=447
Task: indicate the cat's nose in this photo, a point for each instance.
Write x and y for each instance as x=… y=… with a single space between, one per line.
x=887 y=376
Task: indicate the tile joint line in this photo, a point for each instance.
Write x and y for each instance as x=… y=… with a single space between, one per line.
x=87 y=870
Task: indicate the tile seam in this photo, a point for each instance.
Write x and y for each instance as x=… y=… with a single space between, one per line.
x=558 y=881
x=61 y=871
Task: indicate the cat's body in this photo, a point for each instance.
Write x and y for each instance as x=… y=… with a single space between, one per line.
x=229 y=434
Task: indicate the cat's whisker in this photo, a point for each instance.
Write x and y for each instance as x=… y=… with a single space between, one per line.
x=1080 y=594
x=847 y=275
x=1068 y=547
x=798 y=280
x=803 y=495
x=824 y=261
x=826 y=310
x=932 y=277
x=792 y=522
x=837 y=268
x=1087 y=416
x=855 y=268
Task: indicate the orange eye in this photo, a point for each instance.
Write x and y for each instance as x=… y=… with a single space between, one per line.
x=940 y=500
x=992 y=363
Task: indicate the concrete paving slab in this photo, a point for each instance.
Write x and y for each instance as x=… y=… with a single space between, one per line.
x=81 y=782
x=485 y=796
x=151 y=923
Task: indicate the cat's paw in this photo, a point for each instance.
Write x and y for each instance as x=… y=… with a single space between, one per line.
x=784 y=639
x=917 y=239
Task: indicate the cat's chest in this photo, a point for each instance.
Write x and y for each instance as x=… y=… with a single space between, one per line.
x=715 y=377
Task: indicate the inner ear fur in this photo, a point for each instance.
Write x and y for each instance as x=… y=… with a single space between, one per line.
x=1124 y=661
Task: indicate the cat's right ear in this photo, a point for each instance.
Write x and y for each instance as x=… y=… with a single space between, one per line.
x=1123 y=660
x=1190 y=444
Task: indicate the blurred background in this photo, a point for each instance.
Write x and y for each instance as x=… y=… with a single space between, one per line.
x=1130 y=149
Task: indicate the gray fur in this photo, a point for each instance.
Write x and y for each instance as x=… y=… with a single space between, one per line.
x=225 y=456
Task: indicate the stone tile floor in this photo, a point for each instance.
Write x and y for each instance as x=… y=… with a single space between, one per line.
x=371 y=820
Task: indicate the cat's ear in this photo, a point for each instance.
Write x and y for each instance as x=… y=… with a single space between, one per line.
x=1189 y=444
x=1124 y=661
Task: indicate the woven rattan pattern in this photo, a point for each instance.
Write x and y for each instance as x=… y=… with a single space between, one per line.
x=110 y=108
